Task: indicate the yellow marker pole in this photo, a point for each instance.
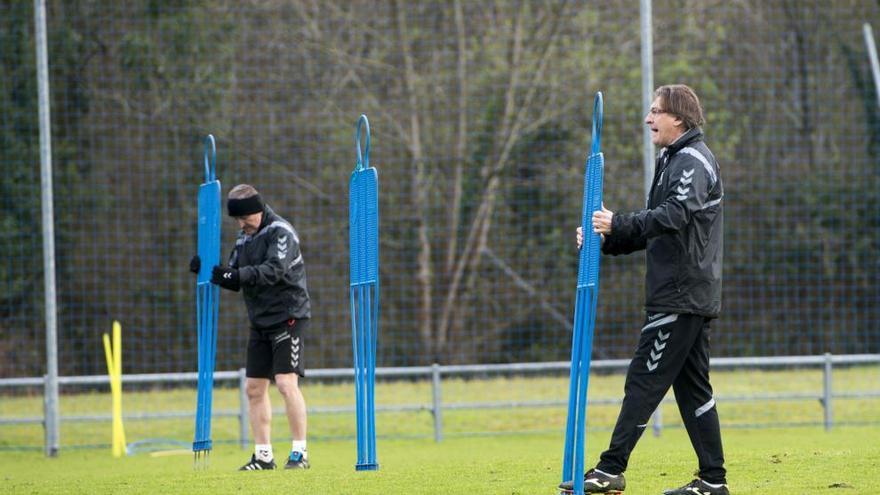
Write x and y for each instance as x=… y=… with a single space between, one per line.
x=114 y=371
x=117 y=347
x=108 y=353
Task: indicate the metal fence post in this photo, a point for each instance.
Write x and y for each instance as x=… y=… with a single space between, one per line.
x=436 y=404
x=52 y=414
x=47 y=418
x=826 y=392
x=657 y=420
x=647 y=54
x=243 y=418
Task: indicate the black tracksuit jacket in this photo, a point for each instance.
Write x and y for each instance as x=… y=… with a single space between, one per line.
x=272 y=273
x=681 y=229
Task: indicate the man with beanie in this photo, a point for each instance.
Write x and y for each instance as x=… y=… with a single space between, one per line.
x=267 y=266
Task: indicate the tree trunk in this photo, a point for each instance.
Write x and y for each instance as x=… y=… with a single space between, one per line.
x=461 y=139
x=424 y=275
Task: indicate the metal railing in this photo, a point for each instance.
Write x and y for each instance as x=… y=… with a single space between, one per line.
x=436 y=373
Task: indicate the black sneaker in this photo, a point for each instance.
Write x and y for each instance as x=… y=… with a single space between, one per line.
x=596 y=482
x=296 y=461
x=258 y=465
x=698 y=487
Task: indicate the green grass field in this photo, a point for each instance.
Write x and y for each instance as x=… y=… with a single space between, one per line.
x=486 y=451
x=783 y=461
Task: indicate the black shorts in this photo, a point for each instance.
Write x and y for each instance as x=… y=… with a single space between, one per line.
x=276 y=350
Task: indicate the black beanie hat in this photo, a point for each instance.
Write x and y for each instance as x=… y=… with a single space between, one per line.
x=244 y=206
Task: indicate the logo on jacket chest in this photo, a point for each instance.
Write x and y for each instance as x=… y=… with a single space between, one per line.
x=684 y=184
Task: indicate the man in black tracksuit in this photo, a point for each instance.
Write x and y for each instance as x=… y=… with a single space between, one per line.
x=681 y=231
x=267 y=266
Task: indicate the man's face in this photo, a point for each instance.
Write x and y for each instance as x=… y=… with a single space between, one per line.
x=250 y=223
x=665 y=127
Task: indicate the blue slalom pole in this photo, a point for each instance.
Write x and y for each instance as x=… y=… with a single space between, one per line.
x=207 y=297
x=358 y=379
x=364 y=294
x=586 y=298
x=371 y=403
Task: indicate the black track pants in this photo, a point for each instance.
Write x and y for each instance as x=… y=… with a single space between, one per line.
x=673 y=351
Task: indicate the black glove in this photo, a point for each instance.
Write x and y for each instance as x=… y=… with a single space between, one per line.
x=195 y=264
x=225 y=277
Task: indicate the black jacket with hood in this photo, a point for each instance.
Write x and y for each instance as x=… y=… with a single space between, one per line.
x=681 y=229
x=272 y=273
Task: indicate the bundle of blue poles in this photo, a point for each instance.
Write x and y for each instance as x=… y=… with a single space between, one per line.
x=585 y=309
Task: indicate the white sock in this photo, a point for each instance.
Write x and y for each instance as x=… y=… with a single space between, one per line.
x=263 y=452
x=300 y=446
x=713 y=485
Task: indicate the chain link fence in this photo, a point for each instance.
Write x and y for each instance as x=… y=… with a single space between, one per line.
x=480 y=113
